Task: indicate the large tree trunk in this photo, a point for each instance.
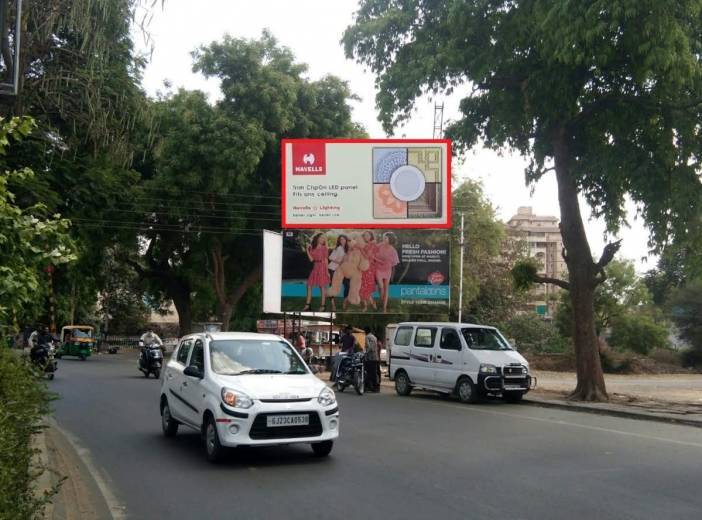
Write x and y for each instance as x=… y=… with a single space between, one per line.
x=583 y=278
x=227 y=302
x=180 y=294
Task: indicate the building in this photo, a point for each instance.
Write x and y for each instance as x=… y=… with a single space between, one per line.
x=542 y=237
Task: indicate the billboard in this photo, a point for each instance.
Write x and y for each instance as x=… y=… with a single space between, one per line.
x=366 y=183
x=365 y=270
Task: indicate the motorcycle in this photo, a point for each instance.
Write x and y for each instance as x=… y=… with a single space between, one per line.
x=150 y=360
x=351 y=372
x=43 y=357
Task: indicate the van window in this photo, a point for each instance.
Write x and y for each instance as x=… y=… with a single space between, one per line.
x=403 y=336
x=484 y=339
x=424 y=337
x=183 y=351
x=197 y=358
x=450 y=340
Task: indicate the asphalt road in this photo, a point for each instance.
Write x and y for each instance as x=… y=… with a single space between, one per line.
x=398 y=457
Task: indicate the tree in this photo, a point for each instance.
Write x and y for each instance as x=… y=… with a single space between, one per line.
x=488 y=292
x=30 y=239
x=606 y=94
x=638 y=332
x=622 y=293
x=685 y=308
x=212 y=183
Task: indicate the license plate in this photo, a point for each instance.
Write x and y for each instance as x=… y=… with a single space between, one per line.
x=287 y=420
x=513 y=387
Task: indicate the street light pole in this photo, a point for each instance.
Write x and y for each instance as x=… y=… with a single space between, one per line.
x=460 y=279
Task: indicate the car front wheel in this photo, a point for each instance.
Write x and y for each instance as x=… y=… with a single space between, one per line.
x=465 y=390
x=322 y=449
x=168 y=424
x=402 y=384
x=213 y=448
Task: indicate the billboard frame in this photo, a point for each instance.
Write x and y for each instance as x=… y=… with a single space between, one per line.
x=371 y=225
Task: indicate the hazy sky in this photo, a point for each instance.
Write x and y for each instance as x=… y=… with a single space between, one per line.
x=312 y=29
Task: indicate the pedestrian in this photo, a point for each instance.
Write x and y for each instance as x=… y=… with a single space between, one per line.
x=300 y=343
x=372 y=360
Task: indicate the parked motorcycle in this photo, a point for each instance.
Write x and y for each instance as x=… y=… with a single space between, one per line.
x=351 y=372
x=43 y=357
x=150 y=360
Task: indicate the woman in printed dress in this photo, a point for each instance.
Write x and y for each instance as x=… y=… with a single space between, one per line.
x=368 y=279
x=318 y=254
x=386 y=260
x=335 y=259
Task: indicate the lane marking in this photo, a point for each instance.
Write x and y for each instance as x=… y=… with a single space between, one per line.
x=575 y=425
x=117 y=510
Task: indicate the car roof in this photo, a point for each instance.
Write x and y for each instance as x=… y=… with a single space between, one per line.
x=442 y=324
x=214 y=336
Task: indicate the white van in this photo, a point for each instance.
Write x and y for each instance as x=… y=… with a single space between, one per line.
x=465 y=359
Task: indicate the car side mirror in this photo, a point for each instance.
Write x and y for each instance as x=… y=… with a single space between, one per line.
x=193 y=371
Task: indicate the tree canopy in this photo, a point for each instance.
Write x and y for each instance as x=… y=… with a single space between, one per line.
x=604 y=93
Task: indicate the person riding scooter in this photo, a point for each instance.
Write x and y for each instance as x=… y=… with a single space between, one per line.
x=151 y=356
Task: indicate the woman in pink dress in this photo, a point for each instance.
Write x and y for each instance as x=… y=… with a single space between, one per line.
x=368 y=280
x=318 y=254
x=386 y=260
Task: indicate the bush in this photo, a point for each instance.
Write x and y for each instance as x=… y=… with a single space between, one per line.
x=616 y=362
x=637 y=333
x=24 y=401
x=534 y=334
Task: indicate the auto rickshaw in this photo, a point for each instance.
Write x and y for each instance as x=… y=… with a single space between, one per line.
x=77 y=340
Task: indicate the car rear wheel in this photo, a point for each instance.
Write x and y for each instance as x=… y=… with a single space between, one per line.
x=402 y=384
x=168 y=424
x=213 y=448
x=322 y=449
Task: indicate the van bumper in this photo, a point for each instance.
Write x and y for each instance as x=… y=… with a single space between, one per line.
x=497 y=383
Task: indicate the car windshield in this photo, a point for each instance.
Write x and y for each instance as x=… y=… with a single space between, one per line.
x=484 y=339
x=82 y=333
x=252 y=356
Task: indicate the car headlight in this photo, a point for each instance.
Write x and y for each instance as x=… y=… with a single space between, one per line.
x=236 y=399
x=488 y=369
x=326 y=397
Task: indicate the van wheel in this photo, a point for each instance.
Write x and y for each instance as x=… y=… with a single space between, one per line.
x=402 y=384
x=512 y=397
x=465 y=390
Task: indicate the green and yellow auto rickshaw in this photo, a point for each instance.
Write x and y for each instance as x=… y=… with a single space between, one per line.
x=77 y=340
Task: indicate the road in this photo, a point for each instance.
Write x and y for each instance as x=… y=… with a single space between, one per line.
x=398 y=457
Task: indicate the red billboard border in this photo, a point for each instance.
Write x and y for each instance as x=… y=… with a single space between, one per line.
x=340 y=225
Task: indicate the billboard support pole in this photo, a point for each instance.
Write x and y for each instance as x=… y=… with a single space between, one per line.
x=460 y=276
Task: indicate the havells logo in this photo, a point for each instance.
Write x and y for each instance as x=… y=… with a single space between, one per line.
x=309 y=158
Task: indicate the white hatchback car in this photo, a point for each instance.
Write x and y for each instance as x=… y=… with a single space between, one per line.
x=246 y=389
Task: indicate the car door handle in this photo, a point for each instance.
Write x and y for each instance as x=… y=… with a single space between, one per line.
x=185 y=383
x=438 y=357
x=169 y=376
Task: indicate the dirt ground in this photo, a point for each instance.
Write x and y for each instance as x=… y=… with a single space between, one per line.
x=664 y=388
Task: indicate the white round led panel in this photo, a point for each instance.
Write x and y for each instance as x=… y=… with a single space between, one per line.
x=407 y=183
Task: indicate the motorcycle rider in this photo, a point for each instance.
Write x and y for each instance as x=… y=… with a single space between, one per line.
x=39 y=345
x=149 y=338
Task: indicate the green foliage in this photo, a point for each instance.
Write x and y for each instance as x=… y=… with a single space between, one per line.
x=618 y=79
x=30 y=239
x=532 y=333
x=638 y=333
x=622 y=292
x=524 y=273
x=212 y=177
x=685 y=310
x=25 y=401
x=488 y=295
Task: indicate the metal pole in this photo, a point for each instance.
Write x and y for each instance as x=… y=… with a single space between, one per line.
x=460 y=279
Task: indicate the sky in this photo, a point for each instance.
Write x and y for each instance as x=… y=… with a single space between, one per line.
x=312 y=29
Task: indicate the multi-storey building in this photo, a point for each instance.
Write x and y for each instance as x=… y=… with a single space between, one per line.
x=542 y=237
